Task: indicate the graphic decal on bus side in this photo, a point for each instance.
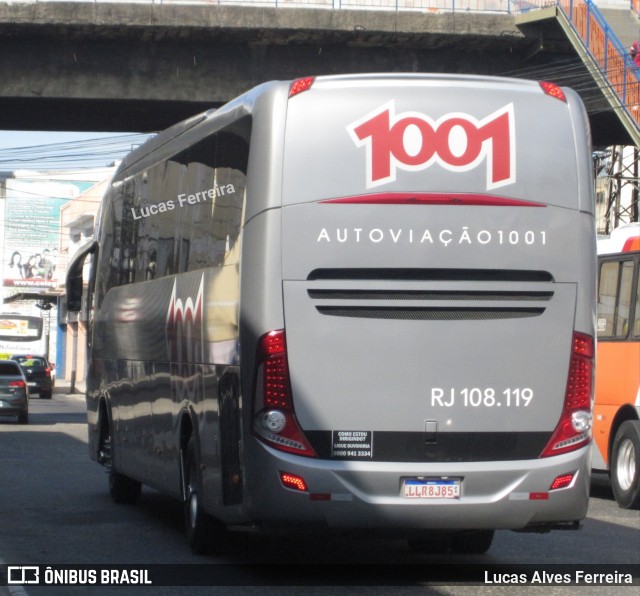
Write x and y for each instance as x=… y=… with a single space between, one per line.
x=457 y=142
x=184 y=336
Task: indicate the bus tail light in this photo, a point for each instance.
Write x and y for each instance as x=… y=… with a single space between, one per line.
x=275 y=422
x=574 y=429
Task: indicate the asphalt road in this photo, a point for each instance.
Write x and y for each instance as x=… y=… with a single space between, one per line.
x=55 y=509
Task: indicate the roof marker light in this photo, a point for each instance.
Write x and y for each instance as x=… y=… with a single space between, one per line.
x=300 y=85
x=553 y=90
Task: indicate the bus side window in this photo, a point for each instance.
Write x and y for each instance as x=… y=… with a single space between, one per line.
x=213 y=195
x=636 y=325
x=614 y=298
x=157 y=226
x=624 y=301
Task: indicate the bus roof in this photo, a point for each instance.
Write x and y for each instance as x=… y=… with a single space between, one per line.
x=623 y=239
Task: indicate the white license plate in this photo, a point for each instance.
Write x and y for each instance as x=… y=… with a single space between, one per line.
x=32 y=384
x=433 y=488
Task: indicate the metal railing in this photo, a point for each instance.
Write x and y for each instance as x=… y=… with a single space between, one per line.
x=607 y=51
x=425 y=6
x=499 y=6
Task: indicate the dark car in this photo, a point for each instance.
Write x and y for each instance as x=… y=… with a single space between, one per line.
x=37 y=371
x=14 y=393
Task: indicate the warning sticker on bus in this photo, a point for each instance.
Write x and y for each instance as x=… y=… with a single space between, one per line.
x=352 y=444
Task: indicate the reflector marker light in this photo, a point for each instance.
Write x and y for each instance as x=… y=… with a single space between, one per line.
x=293 y=481
x=562 y=481
x=433 y=198
x=300 y=85
x=553 y=90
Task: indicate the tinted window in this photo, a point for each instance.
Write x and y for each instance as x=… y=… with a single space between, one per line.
x=8 y=368
x=183 y=214
x=25 y=361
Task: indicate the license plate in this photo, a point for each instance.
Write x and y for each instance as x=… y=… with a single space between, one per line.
x=431 y=488
x=32 y=384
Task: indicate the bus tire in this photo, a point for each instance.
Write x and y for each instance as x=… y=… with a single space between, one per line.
x=122 y=488
x=625 y=465
x=476 y=542
x=198 y=525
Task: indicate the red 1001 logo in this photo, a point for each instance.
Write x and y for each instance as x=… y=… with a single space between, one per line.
x=457 y=142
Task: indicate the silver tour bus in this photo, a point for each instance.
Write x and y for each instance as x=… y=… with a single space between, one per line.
x=349 y=303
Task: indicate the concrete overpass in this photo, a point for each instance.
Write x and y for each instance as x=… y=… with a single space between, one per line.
x=142 y=67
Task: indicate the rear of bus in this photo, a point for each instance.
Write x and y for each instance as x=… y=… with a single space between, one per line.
x=433 y=365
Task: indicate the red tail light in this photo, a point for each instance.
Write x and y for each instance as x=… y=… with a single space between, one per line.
x=275 y=421
x=553 y=90
x=20 y=384
x=574 y=429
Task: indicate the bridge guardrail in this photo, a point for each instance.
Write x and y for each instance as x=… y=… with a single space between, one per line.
x=498 y=6
x=501 y=6
x=432 y=6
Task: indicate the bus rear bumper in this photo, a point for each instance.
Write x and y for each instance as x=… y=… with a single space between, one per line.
x=347 y=495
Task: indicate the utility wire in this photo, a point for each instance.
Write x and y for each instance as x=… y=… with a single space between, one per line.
x=97 y=152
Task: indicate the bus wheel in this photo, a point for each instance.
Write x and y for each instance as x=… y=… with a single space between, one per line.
x=625 y=465
x=122 y=488
x=197 y=523
x=476 y=542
